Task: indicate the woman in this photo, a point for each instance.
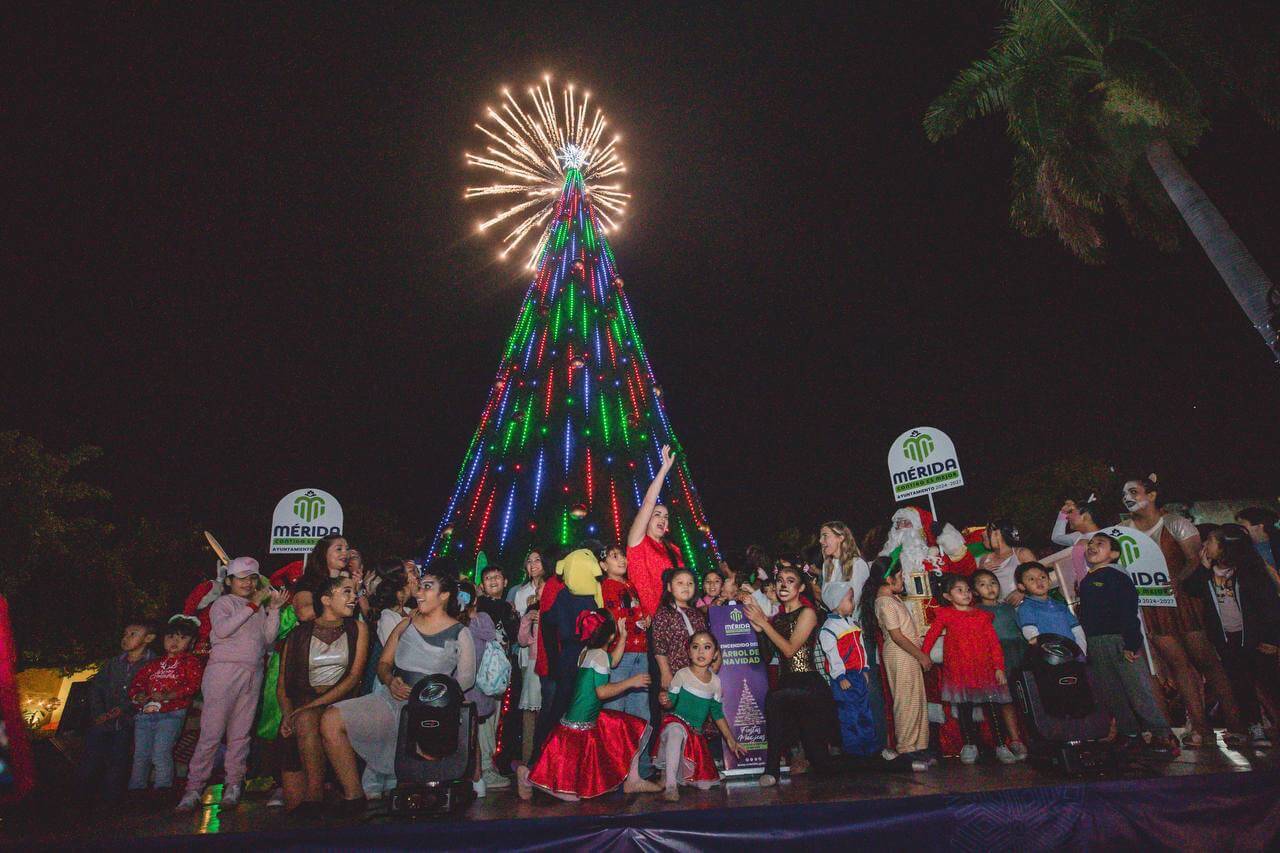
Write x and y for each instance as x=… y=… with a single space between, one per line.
x=321 y=664
x=648 y=553
x=525 y=600
x=327 y=559
x=800 y=707
x=841 y=558
x=432 y=641
x=1176 y=634
x=1075 y=524
x=1005 y=554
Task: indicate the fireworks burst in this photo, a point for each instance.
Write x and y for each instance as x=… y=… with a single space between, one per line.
x=532 y=152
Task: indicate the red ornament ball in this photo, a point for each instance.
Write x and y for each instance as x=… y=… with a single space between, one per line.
x=578 y=511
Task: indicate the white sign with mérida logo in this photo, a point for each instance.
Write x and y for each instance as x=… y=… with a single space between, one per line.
x=1142 y=558
x=302 y=518
x=921 y=461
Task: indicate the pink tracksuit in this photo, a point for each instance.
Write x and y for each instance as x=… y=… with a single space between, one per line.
x=241 y=636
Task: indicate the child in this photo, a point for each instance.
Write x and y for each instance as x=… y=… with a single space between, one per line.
x=729 y=590
x=972 y=666
x=1012 y=643
x=693 y=696
x=1109 y=615
x=846 y=661
x=675 y=622
x=622 y=600
x=483 y=632
x=592 y=750
x=712 y=583
x=1243 y=617
x=322 y=662
x=242 y=633
x=889 y=621
x=1039 y=614
x=162 y=691
x=104 y=765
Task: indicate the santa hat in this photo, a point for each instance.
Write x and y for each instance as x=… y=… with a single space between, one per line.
x=922 y=521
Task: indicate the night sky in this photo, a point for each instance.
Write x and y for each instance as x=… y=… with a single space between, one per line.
x=238 y=259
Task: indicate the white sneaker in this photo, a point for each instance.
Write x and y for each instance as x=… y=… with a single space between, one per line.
x=190 y=802
x=1257 y=736
x=888 y=754
x=231 y=796
x=968 y=754
x=1019 y=750
x=277 y=799
x=479 y=787
x=495 y=782
x=1006 y=755
x=919 y=766
x=767 y=780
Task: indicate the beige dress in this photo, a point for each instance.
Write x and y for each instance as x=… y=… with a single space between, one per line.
x=906 y=679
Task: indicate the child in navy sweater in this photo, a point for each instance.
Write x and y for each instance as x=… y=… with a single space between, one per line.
x=1109 y=615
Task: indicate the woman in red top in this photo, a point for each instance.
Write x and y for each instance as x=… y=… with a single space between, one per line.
x=972 y=663
x=647 y=555
x=162 y=690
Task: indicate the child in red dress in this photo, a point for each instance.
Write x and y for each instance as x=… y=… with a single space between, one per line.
x=972 y=662
x=593 y=750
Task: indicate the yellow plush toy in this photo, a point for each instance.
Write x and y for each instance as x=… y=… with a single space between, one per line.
x=581 y=573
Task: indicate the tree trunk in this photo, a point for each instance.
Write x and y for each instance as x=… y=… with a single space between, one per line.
x=1245 y=279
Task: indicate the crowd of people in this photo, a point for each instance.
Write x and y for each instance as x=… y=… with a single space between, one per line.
x=597 y=669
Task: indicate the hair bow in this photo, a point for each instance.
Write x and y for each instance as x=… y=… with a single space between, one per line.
x=587 y=623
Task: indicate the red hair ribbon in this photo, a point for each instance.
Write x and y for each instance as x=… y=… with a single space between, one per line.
x=587 y=623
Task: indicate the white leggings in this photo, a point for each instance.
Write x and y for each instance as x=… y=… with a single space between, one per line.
x=671 y=758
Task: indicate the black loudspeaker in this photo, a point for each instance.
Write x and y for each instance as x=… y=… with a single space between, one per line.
x=1065 y=723
x=433 y=750
x=75 y=712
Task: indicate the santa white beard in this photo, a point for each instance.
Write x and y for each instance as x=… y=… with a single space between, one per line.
x=915 y=550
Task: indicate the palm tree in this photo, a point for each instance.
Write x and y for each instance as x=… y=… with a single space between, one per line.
x=1102 y=99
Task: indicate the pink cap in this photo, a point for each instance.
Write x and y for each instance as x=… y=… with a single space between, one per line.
x=242 y=567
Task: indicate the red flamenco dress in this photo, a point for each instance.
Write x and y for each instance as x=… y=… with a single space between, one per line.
x=591 y=751
x=970 y=656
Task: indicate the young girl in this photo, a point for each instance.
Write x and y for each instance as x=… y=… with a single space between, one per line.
x=892 y=626
x=430 y=642
x=390 y=590
x=1243 y=615
x=800 y=707
x=674 y=623
x=1012 y=644
x=972 y=665
x=162 y=691
x=693 y=697
x=525 y=598
x=242 y=633
x=593 y=750
x=483 y=632
x=712 y=584
x=322 y=662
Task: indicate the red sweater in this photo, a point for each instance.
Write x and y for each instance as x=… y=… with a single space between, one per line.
x=177 y=674
x=623 y=602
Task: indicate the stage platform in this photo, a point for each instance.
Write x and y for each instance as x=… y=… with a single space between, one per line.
x=1210 y=799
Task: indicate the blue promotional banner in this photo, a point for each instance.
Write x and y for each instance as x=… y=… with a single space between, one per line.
x=744 y=680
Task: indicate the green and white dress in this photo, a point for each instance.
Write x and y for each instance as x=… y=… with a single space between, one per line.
x=694 y=702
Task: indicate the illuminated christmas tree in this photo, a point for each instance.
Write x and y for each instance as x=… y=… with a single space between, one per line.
x=571 y=433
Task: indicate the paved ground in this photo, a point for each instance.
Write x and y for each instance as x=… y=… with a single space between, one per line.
x=60 y=819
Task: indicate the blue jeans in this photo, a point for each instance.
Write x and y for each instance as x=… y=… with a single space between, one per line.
x=857 y=728
x=153 y=738
x=104 y=764
x=634 y=702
